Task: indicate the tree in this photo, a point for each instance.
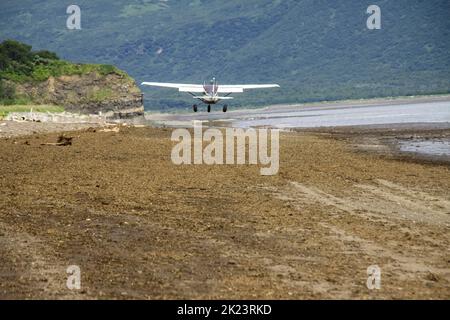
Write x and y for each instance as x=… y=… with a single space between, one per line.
x=45 y=54
x=7 y=91
x=16 y=51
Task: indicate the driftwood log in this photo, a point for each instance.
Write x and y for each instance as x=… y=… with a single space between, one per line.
x=62 y=141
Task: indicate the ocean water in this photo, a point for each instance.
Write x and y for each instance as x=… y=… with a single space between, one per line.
x=428 y=147
x=433 y=112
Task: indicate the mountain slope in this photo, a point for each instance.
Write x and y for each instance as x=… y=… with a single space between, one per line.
x=315 y=49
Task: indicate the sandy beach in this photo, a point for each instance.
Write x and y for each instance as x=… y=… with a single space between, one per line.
x=140 y=227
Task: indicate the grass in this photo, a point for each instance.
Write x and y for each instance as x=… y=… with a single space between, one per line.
x=58 y=68
x=4 y=110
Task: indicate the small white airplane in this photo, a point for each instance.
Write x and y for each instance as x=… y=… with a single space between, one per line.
x=210 y=91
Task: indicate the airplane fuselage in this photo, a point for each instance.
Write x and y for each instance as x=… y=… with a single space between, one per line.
x=210 y=100
x=210 y=93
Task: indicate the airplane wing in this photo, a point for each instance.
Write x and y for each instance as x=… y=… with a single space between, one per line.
x=181 y=87
x=221 y=88
x=241 y=87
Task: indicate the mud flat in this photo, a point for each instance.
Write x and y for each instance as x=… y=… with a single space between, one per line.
x=140 y=227
x=422 y=143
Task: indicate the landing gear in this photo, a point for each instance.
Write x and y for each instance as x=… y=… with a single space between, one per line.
x=225 y=108
x=194 y=107
x=209 y=108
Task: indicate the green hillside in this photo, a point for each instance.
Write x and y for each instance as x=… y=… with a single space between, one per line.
x=315 y=49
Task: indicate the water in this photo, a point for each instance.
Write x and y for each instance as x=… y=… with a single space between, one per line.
x=436 y=148
x=432 y=112
x=318 y=116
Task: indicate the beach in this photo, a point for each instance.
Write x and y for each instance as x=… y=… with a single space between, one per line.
x=140 y=227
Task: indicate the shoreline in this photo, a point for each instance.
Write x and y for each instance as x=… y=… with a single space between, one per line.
x=335 y=114
x=377 y=140
x=389 y=136
x=368 y=102
x=358 y=102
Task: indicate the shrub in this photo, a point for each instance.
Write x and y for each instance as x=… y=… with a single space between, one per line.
x=19 y=64
x=7 y=91
x=45 y=54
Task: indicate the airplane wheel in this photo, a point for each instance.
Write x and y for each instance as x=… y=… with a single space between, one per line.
x=225 y=108
x=209 y=108
x=195 y=108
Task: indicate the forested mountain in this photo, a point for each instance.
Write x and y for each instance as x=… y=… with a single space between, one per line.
x=315 y=49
